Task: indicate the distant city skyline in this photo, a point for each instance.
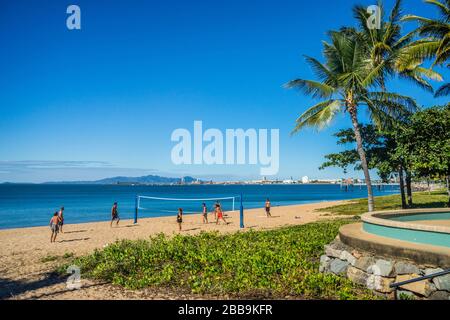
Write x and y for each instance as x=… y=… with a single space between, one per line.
x=103 y=101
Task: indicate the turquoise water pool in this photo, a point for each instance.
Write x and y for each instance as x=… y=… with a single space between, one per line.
x=409 y=232
x=423 y=217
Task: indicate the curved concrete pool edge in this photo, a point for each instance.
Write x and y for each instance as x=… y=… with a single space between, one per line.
x=381 y=218
x=354 y=236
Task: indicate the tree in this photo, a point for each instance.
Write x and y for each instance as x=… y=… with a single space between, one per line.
x=380 y=148
x=426 y=143
x=345 y=80
x=435 y=41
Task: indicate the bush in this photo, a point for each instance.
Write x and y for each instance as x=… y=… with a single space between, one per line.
x=277 y=262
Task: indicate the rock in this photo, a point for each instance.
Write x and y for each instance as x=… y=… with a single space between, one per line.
x=424 y=287
x=429 y=271
x=405 y=268
x=324 y=263
x=357 y=276
x=379 y=283
x=347 y=256
x=331 y=252
x=356 y=254
x=382 y=268
x=442 y=282
x=338 y=266
x=364 y=263
x=405 y=295
x=439 y=295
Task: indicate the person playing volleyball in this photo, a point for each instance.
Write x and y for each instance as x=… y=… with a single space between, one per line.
x=219 y=214
x=54 y=226
x=61 y=219
x=115 y=214
x=268 y=208
x=180 y=218
x=217 y=204
x=205 y=213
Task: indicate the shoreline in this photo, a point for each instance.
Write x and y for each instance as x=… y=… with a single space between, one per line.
x=174 y=215
x=27 y=256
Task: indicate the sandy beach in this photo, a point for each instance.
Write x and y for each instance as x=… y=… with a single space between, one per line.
x=27 y=257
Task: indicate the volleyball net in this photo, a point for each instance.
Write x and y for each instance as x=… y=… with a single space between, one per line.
x=149 y=206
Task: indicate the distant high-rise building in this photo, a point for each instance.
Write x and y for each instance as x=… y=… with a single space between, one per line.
x=305 y=179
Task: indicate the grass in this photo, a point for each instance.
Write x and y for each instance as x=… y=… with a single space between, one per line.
x=65 y=256
x=49 y=258
x=274 y=263
x=435 y=199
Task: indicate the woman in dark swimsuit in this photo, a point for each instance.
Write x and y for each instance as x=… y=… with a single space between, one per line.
x=205 y=213
x=180 y=218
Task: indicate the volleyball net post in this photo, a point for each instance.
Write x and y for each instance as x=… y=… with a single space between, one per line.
x=241 y=215
x=136 y=208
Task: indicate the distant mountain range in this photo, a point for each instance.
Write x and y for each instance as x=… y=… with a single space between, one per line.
x=150 y=179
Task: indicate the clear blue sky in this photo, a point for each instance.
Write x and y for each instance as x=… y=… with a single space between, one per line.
x=104 y=100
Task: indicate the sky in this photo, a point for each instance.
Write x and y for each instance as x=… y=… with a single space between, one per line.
x=104 y=100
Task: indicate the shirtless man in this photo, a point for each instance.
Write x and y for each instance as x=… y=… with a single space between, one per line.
x=54 y=226
x=115 y=214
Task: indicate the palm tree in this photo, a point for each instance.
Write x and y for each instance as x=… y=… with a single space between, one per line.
x=345 y=80
x=435 y=41
x=387 y=46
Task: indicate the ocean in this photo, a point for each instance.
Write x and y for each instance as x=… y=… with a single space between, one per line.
x=28 y=205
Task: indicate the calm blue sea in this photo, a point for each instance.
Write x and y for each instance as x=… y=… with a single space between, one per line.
x=26 y=205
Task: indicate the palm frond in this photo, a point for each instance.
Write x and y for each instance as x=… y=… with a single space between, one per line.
x=319 y=115
x=443 y=91
x=313 y=88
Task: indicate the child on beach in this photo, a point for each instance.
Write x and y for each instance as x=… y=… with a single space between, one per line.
x=268 y=208
x=180 y=218
x=61 y=219
x=205 y=213
x=54 y=226
x=219 y=214
x=115 y=214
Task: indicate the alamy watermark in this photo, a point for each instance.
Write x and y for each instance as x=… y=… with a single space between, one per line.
x=73 y=22
x=234 y=147
x=74 y=280
x=374 y=20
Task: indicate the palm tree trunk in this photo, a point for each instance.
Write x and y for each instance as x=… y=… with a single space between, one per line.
x=448 y=189
x=408 y=188
x=402 y=186
x=362 y=155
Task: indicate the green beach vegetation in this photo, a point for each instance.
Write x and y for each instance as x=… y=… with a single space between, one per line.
x=435 y=199
x=273 y=264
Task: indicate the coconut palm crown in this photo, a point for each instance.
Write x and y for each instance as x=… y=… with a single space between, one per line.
x=435 y=41
x=387 y=46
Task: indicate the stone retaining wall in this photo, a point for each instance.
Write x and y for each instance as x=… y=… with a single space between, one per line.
x=377 y=273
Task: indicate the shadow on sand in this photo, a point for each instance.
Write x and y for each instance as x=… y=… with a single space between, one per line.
x=72 y=240
x=9 y=289
x=76 y=231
